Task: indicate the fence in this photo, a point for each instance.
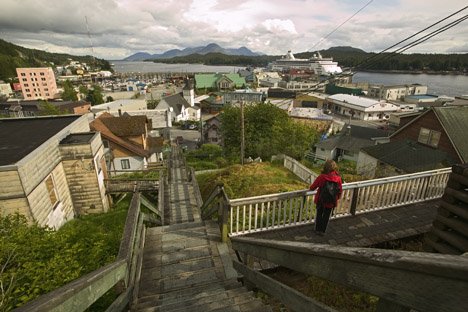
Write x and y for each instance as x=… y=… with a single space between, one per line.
x=273 y=211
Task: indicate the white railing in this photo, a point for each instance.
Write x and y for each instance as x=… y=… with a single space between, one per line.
x=274 y=211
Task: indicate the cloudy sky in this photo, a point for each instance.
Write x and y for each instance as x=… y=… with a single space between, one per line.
x=118 y=28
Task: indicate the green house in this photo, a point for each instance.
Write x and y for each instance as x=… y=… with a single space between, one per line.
x=219 y=81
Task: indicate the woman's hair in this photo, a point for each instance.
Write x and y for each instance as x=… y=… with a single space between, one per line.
x=330 y=165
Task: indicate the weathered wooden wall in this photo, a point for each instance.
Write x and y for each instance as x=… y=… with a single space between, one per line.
x=12 y=198
x=449 y=233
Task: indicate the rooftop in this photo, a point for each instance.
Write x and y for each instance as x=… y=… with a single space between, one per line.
x=354 y=100
x=78 y=138
x=21 y=136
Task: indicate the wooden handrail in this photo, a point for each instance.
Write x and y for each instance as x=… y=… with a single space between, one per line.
x=421 y=281
x=78 y=295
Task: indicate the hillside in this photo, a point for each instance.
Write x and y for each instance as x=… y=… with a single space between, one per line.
x=13 y=56
x=346 y=57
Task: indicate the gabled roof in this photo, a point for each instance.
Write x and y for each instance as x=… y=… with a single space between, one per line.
x=409 y=156
x=99 y=125
x=125 y=125
x=176 y=101
x=209 y=80
x=21 y=136
x=358 y=138
x=455 y=122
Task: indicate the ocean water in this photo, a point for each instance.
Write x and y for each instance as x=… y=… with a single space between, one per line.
x=451 y=85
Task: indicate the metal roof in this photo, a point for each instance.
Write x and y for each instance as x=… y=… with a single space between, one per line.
x=455 y=122
x=409 y=156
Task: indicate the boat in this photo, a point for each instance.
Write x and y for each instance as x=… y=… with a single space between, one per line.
x=319 y=65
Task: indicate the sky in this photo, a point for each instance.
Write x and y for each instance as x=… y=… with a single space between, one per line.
x=114 y=29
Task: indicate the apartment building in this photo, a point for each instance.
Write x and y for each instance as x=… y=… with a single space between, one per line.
x=37 y=83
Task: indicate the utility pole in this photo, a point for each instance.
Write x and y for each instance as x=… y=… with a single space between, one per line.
x=242 y=147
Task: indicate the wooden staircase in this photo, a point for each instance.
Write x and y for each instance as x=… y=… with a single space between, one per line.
x=185 y=266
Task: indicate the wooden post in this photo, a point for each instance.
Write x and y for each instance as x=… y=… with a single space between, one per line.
x=225 y=207
x=354 y=199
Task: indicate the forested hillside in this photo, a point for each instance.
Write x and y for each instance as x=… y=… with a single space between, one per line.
x=13 y=56
x=346 y=57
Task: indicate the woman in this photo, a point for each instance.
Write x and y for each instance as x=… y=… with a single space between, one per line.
x=323 y=203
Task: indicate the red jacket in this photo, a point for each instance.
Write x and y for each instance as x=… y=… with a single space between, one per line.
x=320 y=182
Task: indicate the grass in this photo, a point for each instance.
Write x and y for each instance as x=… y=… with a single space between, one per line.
x=144 y=175
x=251 y=180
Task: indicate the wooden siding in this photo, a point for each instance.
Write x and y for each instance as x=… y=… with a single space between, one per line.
x=17 y=205
x=428 y=121
x=41 y=206
x=10 y=184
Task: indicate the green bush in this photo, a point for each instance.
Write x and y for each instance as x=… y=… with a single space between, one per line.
x=38 y=260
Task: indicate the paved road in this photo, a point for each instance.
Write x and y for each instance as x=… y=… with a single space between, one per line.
x=191 y=137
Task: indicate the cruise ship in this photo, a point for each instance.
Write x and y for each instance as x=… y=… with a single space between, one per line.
x=319 y=65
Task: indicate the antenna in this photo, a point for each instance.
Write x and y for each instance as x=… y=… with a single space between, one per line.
x=89 y=35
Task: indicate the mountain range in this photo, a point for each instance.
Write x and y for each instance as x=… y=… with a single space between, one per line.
x=210 y=48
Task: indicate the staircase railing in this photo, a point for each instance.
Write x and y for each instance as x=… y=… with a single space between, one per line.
x=217 y=204
x=123 y=272
x=274 y=211
x=402 y=280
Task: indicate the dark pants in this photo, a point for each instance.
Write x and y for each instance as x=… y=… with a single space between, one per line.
x=321 y=218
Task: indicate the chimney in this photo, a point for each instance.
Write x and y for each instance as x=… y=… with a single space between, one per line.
x=348 y=129
x=120 y=112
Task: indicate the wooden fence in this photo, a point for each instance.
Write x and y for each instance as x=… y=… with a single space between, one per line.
x=273 y=211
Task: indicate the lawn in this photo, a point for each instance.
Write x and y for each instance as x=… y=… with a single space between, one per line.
x=251 y=180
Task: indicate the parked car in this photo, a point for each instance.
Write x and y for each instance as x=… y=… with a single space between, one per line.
x=192 y=127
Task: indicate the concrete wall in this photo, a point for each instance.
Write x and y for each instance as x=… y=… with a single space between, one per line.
x=366 y=165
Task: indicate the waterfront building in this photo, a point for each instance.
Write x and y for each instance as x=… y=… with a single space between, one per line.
x=360 y=107
x=37 y=83
x=396 y=92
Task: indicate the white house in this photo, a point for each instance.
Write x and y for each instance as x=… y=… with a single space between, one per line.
x=396 y=92
x=360 y=107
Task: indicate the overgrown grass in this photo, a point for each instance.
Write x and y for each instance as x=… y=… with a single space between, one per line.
x=38 y=260
x=144 y=175
x=251 y=180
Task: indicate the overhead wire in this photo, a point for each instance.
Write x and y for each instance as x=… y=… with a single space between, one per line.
x=402 y=49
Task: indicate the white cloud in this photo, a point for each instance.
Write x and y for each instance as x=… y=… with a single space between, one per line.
x=119 y=28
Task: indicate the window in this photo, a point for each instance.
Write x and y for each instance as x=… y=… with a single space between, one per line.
x=25 y=79
x=125 y=163
x=43 y=79
x=42 y=74
x=23 y=74
x=429 y=137
x=50 y=185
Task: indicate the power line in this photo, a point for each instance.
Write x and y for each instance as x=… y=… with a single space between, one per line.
x=336 y=28
x=406 y=47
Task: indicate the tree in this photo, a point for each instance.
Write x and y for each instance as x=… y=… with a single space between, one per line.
x=69 y=93
x=95 y=96
x=48 y=109
x=109 y=99
x=268 y=131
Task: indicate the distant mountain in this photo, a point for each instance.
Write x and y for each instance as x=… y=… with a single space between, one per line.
x=210 y=48
x=13 y=56
x=138 y=56
x=346 y=49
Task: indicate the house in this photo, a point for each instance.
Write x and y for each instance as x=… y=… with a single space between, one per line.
x=51 y=169
x=400 y=157
x=127 y=139
x=433 y=139
x=177 y=105
x=348 y=142
x=36 y=108
x=5 y=89
x=37 y=83
x=442 y=128
x=212 y=130
x=123 y=105
x=219 y=81
x=396 y=92
x=360 y=107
